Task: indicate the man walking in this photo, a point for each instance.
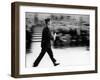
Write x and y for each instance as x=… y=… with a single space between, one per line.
x=46 y=45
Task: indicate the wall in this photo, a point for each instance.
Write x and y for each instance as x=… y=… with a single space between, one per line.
x=5 y=40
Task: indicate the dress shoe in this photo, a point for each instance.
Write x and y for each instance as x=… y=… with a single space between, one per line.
x=34 y=65
x=56 y=64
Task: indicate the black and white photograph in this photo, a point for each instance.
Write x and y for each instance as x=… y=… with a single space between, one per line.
x=57 y=39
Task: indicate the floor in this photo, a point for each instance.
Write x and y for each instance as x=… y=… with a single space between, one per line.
x=70 y=56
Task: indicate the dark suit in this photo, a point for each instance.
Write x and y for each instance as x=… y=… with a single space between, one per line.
x=46 y=38
x=46 y=46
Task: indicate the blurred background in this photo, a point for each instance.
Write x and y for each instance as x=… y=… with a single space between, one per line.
x=71 y=30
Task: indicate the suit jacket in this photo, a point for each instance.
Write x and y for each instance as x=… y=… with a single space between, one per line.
x=46 y=38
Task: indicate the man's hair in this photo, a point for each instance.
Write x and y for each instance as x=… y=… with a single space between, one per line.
x=47 y=20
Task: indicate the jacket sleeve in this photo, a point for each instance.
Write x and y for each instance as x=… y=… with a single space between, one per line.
x=51 y=36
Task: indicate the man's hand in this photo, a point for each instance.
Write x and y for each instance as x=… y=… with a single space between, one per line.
x=54 y=36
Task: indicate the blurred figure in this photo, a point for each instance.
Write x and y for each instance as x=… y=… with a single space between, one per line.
x=46 y=45
x=29 y=32
x=87 y=41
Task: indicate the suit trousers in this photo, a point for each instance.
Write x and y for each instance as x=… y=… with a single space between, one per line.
x=42 y=53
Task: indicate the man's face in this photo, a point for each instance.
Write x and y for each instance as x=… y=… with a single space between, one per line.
x=49 y=25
